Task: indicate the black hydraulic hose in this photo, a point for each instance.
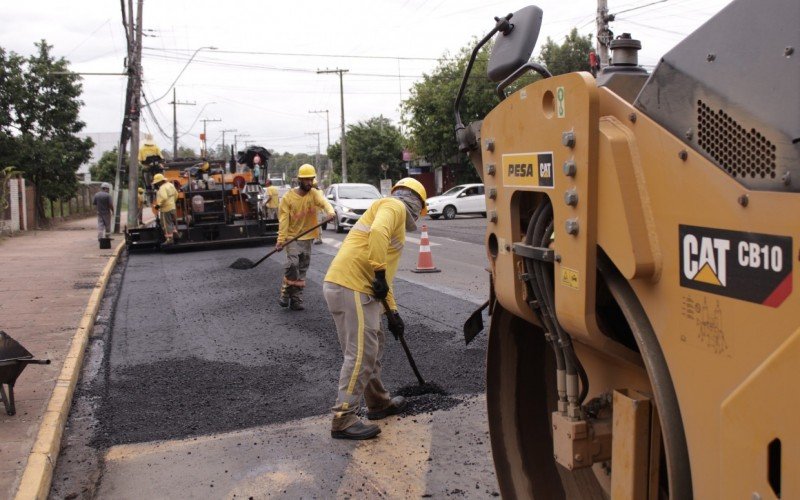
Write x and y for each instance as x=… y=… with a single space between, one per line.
x=566 y=340
x=534 y=284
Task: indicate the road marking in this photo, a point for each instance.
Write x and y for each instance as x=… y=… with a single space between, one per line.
x=417 y=241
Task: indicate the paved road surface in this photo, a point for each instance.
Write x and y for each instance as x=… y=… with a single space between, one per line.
x=203 y=385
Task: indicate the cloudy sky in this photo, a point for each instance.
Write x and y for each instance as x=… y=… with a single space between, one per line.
x=263 y=80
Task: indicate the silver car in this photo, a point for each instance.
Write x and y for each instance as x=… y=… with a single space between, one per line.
x=350 y=201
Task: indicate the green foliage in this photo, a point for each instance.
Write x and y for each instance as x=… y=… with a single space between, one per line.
x=105 y=169
x=288 y=163
x=370 y=144
x=572 y=55
x=40 y=101
x=428 y=112
x=5 y=175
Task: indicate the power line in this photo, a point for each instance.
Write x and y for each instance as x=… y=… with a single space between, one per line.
x=306 y=54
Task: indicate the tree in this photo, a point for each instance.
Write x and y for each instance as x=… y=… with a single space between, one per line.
x=371 y=144
x=105 y=169
x=39 y=122
x=428 y=112
x=572 y=55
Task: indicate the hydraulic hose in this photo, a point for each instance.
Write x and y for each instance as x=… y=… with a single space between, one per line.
x=570 y=372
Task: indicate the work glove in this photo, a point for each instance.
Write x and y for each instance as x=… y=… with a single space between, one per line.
x=380 y=288
x=396 y=325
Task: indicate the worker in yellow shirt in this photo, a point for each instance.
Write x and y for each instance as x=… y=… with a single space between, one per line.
x=273 y=197
x=151 y=159
x=296 y=214
x=166 y=196
x=356 y=285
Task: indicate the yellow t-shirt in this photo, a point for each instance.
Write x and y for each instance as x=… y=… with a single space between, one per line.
x=148 y=149
x=166 y=197
x=374 y=243
x=298 y=213
x=274 y=196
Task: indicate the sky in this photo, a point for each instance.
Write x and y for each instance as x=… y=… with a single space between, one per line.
x=262 y=80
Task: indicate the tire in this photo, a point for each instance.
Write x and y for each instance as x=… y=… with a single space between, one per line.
x=483 y=214
x=324 y=226
x=435 y=217
x=449 y=212
x=336 y=226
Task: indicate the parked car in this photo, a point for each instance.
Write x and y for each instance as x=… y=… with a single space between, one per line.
x=282 y=185
x=463 y=199
x=350 y=201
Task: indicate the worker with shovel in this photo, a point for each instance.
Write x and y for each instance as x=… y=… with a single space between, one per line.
x=297 y=213
x=357 y=290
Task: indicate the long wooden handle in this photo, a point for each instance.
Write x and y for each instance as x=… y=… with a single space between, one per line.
x=262 y=259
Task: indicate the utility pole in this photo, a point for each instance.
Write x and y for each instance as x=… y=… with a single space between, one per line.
x=327 y=122
x=205 y=137
x=341 y=97
x=236 y=141
x=175 y=105
x=316 y=160
x=133 y=170
x=223 y=137
x=604 y=35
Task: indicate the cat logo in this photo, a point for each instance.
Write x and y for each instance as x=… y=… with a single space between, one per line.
x=746 y=266
x=705 y=259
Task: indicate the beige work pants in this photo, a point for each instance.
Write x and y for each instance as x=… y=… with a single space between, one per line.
x=358 y=324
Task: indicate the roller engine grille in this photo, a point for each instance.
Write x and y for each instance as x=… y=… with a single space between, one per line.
x=741 y=153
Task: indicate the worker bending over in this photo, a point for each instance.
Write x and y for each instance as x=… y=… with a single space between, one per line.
x=356 y=285
x=297 y=214
x=166 y=196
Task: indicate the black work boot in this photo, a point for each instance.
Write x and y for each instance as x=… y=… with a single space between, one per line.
x=396 y=405
x=358 y=430
x=283 y=301
x=297 y=304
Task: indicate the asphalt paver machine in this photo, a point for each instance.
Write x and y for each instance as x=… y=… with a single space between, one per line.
x=216 y=206
x=644 y=338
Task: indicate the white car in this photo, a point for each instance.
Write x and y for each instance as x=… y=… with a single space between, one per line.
x=463 y=199
x=350 y=201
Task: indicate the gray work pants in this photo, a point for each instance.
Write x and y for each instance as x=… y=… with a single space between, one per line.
x=298 y=258
x=103 y=225
x=358 y=324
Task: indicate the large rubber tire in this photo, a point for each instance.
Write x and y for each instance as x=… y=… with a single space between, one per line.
x=521 y=394
x=336 y=226
x=449 y=212
x=324 y=226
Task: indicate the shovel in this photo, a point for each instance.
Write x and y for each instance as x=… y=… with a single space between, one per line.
x=402 y=340
x=474 y=325
x=244 y=263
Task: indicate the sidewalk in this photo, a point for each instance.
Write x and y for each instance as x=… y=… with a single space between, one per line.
x=47 y=278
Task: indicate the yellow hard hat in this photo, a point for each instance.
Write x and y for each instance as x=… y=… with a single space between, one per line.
x=141 y=190
x=158 y=178
x=417 y=187
x=306 y=172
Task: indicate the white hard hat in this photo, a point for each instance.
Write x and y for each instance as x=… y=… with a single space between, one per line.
x=105 y=185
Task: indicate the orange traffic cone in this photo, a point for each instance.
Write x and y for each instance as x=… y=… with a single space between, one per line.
x=425 y=260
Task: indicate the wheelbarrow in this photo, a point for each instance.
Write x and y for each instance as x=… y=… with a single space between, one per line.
x=13 y=359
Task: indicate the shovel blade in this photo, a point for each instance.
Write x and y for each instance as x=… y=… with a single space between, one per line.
x=474 y=324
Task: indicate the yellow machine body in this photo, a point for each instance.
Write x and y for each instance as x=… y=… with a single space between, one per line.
x=674 y=225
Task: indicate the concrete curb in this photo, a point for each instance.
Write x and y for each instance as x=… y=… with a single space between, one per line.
x=38 y=474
